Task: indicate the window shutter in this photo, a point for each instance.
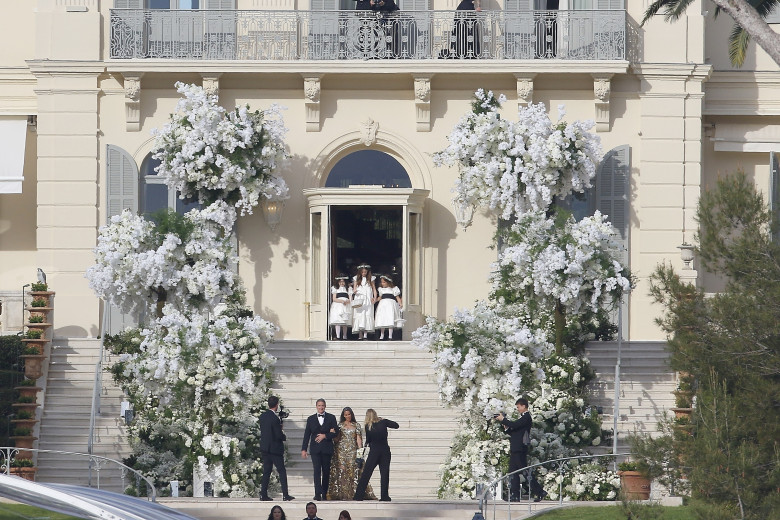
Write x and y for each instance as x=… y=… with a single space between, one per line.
x=413 y=5
x=121 y=194
x=128 y=4
x=324 y=5
x=612 y=181
x=517 y=6
x=220 y=4
x=609 y=4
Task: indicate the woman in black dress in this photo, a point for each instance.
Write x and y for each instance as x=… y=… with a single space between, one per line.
x=379 y=454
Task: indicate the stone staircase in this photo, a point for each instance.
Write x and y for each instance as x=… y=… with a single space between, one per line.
x=65 y=419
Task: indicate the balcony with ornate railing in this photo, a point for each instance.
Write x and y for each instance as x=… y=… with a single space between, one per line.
x=365 y=35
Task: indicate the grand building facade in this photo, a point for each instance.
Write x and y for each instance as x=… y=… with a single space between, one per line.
x=369 y=98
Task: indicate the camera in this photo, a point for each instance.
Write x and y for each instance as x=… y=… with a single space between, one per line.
x=283 y=414
x=495 y=415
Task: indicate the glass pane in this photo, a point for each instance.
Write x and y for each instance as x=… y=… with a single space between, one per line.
x=370 y=168
x=183 y=206
x=316 y=256
x=159 y=4
x=413 y=291
x=154 y=199
x=148 y=165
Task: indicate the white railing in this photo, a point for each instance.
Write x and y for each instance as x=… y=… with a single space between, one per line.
x=363 y=35
x=97 y=388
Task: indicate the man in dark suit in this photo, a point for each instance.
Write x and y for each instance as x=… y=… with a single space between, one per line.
x=311 y=512
x=519 y=437
x=321 y=429
x=272 y=447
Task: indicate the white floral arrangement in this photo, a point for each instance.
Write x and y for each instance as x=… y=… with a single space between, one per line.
x=521 y=166
x=583 y=482
x=211 y=154
x=572 y=263
x=189 y=265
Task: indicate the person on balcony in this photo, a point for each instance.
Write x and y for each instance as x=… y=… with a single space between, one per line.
x=391 y=23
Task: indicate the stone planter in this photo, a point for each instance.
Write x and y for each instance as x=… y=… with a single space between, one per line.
x=682 y=412
x=24 y=444
x=635 y=486
x=28 y=391
x=24 y=423
x=33 y=365
x=42 y=295
x=26 y=473
x=38 y=344
x=27 y=407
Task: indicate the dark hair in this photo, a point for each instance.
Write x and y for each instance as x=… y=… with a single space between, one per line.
x=271 y=514
x=272 y=401
x=344 y=419
x=345 y=514
x=311 y=504
x=522 y=401
x=321 y=400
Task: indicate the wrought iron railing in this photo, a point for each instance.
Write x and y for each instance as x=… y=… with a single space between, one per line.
x=364 y=35
x=97 y=387
x=96 y=463
x=489 y=493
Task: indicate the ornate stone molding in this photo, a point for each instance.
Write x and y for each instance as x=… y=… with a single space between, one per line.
x=211 y=84
x=602 y=88
x=133 y=100
x=311 y=91
x=422 y=101
x=368 y=131
x=525 y=89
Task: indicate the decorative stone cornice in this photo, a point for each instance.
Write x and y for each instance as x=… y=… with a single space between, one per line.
x=422 y=101
x=602 y=87
x=312 y=86
x=132 y=85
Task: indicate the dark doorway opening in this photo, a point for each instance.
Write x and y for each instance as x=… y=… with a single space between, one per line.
x=367 y=235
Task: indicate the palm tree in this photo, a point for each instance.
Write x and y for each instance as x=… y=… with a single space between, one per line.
x=749 y=16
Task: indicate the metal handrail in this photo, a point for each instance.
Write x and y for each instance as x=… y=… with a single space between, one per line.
x=561 y=463
x=96 y=389
x=8 y=454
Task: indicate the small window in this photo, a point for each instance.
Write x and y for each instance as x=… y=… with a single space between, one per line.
x=173 y=4
x=155 y=194
x=368 y=168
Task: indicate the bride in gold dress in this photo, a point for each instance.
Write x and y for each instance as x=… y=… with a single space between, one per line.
x=344 y=472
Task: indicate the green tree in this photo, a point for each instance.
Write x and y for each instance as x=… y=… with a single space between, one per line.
x=730 y=344
x=749 y=16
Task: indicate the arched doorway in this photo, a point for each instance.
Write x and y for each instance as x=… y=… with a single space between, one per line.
x=365 y=212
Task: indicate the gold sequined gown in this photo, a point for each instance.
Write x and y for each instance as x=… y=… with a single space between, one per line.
x=344 y=472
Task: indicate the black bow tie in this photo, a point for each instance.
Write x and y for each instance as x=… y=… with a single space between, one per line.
x=320 y=415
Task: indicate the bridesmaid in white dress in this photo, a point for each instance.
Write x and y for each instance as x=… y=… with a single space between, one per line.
x=388 y=312
x=363 y=283
x=341 y=309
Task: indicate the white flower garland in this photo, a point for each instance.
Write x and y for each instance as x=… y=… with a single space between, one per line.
x=208 y=154
x=517 y=167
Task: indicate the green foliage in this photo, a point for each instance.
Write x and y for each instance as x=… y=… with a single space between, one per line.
x=35 y=319
x=730 y=346
x=22 y=432
x=34 y=334
x=27 y=382
x=22 y=463
x=23 y=414
x=38 y=287
x=39 y=302
x=168 y=221
x=26 y=399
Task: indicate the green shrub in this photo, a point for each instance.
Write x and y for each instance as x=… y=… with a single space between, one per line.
x=628 y=465
x=22 y=432
x=27 y=382
x=24 y=414
x=34 y=334
x=22 y=463
x=26 y=399
x=35 y=319
x=39 y=302
x=39 y=287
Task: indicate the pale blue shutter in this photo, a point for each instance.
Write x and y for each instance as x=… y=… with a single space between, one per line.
x=121 y=194
x=324 y=30
x=128 y=4
x=220 y=29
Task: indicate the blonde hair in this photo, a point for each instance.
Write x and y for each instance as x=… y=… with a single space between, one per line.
x=371 y=418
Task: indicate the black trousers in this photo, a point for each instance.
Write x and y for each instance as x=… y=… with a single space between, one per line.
x=270 y=460
x=379 y=456
x=321 y=462
x=517 y=460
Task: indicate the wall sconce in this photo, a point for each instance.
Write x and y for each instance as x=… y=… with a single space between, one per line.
x=686 y=253
x=464 y=214
x=272 y=211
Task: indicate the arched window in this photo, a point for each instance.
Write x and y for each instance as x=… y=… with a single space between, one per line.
x=368 y=168
x=155 y=195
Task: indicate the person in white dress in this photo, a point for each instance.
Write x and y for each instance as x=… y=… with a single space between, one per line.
x=363 y=285
x=388 y=312
x=341 y=308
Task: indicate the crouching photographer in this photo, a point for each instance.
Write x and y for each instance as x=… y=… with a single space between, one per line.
x=519 y=432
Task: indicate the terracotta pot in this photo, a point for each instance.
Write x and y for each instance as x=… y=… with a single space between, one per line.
x=33 y=365
x=27 y=407
x=42 y=295
x=635 y=486
x=40 y=311
x=24 y=423
x=38 y=344
x=28 y=391
x=682 y=412
x=25 y=473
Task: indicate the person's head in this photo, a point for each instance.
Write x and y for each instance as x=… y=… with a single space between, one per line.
x=386 y=281
x=371 y=418
x=347 y=415
x=522 y=405
x=341 y=280
x=344 y=515
x=277 y=513
x=320 y=405
x=273 y=402
x=363 y=271
x=311 y=509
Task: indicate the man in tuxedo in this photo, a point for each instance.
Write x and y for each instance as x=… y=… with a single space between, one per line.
x=311 y=512
x=321 y=429
x=272 y=447
x=519 y=437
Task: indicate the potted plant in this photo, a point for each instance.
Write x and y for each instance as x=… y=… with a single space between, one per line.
x=634 y=482
x=24 y=419
x=39 y=302
x=23 y=468
x=36 y=319
x=36 y=287
x=683 y=396
x=27 y=389
x=25 y=403
x=34 y=334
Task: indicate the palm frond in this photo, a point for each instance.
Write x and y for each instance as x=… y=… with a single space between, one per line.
x=738 y=45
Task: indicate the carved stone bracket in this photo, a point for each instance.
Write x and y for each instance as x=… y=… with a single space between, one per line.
x=133 y=100
x=525 y=89
x=422 y=101
x=602 y=87
x=211 y=84
x=368 y=131
x=311 y=91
